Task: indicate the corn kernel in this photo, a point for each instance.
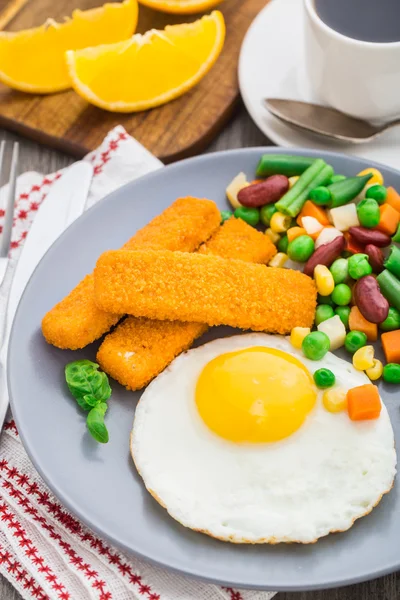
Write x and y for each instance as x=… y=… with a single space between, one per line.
x=297 y=336
x=278 y=260
x=377 y=177
x=335 y=400
x=363 y=359
x=280 y=222
x=292 y=181
x=273 y=236
x=295 y=232
x=324 y=280
x=375 y=371
x=237 y=184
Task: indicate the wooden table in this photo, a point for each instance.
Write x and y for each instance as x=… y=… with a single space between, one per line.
x=241 y=132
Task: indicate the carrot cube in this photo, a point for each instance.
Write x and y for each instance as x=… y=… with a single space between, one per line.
x=363 y=402
x=312 y=210
x=359 y=323
x=389 y=220
x=391 y=345
x=393 y=198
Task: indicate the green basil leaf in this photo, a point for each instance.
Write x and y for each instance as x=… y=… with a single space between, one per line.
x=95 y=423
x=87 y=385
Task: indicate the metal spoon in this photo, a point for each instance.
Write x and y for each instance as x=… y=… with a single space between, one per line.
x=325 y=121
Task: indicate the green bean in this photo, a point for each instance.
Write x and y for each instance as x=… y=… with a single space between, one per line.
x=377 y=192
x=283 y=164
x=266 y=213
x=346 y=190
x=325 y=300
x=293 y=201
x=393 y=261
x=390 y=287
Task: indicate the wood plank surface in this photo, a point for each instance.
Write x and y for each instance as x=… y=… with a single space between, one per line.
x=239 y=133
x=181 y=128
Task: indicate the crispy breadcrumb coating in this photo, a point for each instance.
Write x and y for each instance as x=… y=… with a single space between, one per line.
x=237 y=239
x=204 y=289
x=76 y=321
x=139 y=349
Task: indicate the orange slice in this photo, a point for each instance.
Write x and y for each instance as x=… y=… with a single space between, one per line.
x=181 y=7
x=33 y=60
x=150 y=69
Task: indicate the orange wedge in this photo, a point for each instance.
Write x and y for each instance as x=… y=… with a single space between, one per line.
x=181 y=7
x=33 y=60
x=150 y=69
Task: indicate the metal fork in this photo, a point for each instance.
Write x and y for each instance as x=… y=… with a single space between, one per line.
x=10 y=204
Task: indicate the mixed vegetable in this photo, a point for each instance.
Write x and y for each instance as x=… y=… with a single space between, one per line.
x=91 y=390
x=343 y=230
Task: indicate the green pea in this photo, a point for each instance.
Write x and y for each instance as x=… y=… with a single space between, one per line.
x=396 y=237
x=355 y=340
x=341 y=295
x=359 y=266
x=315 y=345
x=391 y=373
x=344 y=314
x=323 y=312
x=301 y=248
x=368 y=212
x=392 y=321
x=377 y=192
x=336 y=179
x=325 y=300
x=340 y=270
x=324 y=378
x=320 y=195
x=283 y=244
x=266 y=213
x=225 y=215
x=250 y=215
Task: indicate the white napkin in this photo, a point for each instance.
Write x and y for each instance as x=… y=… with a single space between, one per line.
x=45 y=552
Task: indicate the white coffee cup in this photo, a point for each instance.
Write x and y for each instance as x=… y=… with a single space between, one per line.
x=359 y=78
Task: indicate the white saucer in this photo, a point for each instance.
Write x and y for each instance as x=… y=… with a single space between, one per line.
x=272 y=65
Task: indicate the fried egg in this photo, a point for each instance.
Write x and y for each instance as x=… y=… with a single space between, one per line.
x=234 y=441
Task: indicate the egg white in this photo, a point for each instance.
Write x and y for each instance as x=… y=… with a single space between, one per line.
x=320 y=479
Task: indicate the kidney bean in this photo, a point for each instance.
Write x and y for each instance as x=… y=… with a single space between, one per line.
x=371 y=303
x=376 y=257
x=266 y=192
x=325 y=255
x=370 y=236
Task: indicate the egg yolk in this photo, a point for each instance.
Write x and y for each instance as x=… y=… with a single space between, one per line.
x=255 y=395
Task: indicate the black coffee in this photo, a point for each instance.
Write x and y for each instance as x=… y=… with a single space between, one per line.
x=367 y=20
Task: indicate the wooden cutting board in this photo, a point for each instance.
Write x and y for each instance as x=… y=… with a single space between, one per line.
x=177 y=130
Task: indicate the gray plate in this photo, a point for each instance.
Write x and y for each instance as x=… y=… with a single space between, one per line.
x=99 y=483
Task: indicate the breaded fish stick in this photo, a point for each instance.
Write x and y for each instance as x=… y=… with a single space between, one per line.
x=76 y=321
x=204 y=289
x=139 y=349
